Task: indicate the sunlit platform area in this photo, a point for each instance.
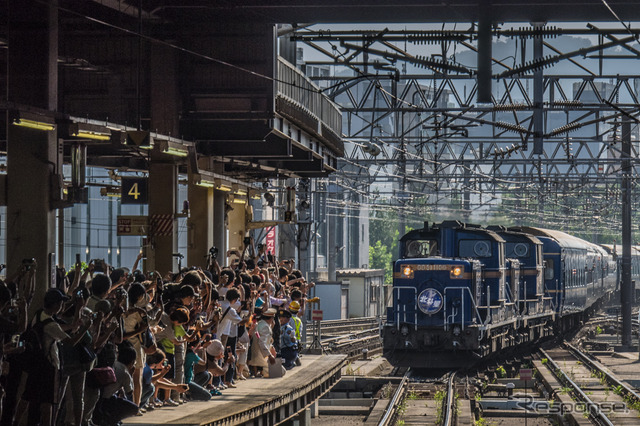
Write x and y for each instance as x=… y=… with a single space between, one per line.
x=263 y=401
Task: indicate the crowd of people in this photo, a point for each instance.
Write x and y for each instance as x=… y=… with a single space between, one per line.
x=109 y=343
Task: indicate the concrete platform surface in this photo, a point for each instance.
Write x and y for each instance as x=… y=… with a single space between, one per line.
x=624 y=364
x=253 y=398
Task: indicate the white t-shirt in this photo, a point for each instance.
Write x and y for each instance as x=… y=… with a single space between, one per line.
x=229 y=324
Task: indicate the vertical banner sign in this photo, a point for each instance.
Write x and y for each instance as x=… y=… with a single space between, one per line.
x=270 y=240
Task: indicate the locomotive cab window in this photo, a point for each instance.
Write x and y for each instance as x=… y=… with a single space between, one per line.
x=474 y=248
x=421 y=248
x=515 y=250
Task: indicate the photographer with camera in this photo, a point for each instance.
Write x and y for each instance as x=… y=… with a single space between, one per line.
x=136 y=323
x=13 y=321
x=170 y=338
x=44 y=386
x=228 y=328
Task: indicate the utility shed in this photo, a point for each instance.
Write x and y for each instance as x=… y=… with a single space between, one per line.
x=365 y=291
x=334 y=299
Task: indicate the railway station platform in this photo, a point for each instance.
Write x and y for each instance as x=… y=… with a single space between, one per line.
x=256 y=401
x=623 y=362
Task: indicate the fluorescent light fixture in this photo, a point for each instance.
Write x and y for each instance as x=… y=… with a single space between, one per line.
x=176 y=152
x=237 y=200
x=206 y=184
x=220 y=187
x=241 y=192
x=91 y=135
x=32 y=124
x=172 y=148
x=254 y=195
x=89 y=131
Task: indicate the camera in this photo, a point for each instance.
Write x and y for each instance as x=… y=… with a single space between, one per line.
x=247 y=241
x=28 y=263
x=213 y=252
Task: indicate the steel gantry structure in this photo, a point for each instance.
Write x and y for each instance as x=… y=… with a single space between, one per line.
x=425 y=125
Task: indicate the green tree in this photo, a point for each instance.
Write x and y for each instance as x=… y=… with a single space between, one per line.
x=380 y=258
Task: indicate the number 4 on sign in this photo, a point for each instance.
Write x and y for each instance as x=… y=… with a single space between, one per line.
x=134 y=192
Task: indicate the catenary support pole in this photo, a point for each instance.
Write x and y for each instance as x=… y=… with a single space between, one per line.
x=625 y=288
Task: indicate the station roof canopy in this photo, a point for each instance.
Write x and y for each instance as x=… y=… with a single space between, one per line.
x=404 y=11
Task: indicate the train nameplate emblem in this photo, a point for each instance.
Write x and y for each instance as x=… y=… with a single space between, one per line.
x=430 y=301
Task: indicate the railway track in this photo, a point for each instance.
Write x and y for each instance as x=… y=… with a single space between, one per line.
x=585 y=390
x=330 y=328
x=416 y=402
x=353 y=337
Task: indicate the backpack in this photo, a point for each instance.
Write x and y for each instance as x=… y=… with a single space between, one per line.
x=35 y=353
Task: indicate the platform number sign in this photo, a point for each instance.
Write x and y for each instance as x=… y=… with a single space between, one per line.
x=134 y=191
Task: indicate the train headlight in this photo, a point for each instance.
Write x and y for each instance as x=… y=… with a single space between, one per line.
x=404 y=330
x=407 y=271
x=456 y=271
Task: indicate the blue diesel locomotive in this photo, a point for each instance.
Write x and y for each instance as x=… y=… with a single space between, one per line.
x=463 y=292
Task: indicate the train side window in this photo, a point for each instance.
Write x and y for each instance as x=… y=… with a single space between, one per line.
x=548 y=269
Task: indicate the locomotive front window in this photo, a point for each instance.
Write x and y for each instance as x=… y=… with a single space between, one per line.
x=474 y=248
x=422 y=248
x=517 y=250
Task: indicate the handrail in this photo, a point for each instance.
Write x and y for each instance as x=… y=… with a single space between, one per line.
x=297 y=88
x=462 y=290
x=396 y=314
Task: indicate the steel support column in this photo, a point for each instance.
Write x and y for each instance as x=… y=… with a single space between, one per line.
x=237 y=225
x=200 y=224
x=220 y=224
x=163 y=189
x=538 y=92
x=331 y=233
x=32 y=154
x=484 y=52
x=625 y=289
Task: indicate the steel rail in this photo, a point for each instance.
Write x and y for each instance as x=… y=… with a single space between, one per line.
x=390 y=411
x=594 y=409
x=449 y=408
